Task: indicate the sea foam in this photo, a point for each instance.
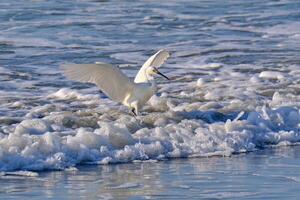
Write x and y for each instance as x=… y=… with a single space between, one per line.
x=35 y=145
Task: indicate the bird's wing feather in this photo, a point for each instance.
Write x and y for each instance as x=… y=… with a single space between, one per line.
x=155 y=60
x=111 y=80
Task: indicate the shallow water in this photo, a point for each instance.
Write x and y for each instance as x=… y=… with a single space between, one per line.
x=234 y=89
x=267 y=174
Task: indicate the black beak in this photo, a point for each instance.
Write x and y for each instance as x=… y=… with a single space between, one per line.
x=158 y=72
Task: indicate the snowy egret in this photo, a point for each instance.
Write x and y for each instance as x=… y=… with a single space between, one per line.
x=116 y=85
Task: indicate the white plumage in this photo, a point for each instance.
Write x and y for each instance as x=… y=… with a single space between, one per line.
x=116 y=85
x=155 y=60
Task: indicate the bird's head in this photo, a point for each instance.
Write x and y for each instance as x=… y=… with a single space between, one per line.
x=151 y=71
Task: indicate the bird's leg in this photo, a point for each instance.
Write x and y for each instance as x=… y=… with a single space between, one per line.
x=134 y=108
x=133 y=111
x=136 y=116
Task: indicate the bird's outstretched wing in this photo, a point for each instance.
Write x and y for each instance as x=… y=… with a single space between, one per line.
x=111 y=80
x=155 y=60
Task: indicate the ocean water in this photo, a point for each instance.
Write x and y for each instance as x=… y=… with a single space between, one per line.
x=235 y=83
x=269 y=174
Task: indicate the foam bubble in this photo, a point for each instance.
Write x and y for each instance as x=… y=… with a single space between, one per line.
x=66 y=94
x=33 y=127
x=272 y=75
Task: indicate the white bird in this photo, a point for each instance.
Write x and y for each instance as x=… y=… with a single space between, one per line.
x=116 y=85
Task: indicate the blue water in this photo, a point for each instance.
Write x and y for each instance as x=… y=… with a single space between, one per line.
x=225 y=127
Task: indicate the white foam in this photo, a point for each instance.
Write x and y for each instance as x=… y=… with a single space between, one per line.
x=200 y=82
x=126 y=186
x=272 y=75
x=285 y=29
x=209 y=66
x=66 y=94
x=30 y=42
x=33 y=127
x=21 y=173
x=35 y=146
